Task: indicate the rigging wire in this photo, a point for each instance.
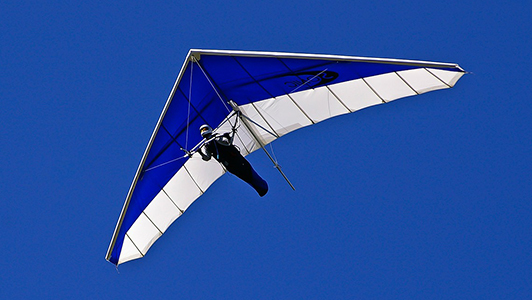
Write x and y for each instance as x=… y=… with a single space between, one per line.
x=273 y=153
x=165 y=163
x=189 y=101
x=215 y=90
x=309 y=80
x=212 y=85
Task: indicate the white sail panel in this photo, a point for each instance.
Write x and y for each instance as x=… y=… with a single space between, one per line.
x=182 y=189
x=143 y=233
x=204 y=173
x=129 y=251
x=162 y=211
x=282 y=114
x=319 y=104
x=421 y=80
x=389 y=86
x=449 y=77
x=355 y=94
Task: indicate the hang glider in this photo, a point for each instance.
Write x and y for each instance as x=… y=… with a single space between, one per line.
x=272 y=94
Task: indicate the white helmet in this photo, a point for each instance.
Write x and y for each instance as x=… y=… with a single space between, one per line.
x=205 y=130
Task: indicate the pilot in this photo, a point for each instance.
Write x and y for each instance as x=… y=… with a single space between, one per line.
x=220 y=146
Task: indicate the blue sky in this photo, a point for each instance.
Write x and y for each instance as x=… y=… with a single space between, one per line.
x=426 y=197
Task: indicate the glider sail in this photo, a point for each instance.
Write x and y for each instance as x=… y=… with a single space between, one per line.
x=277 y=93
